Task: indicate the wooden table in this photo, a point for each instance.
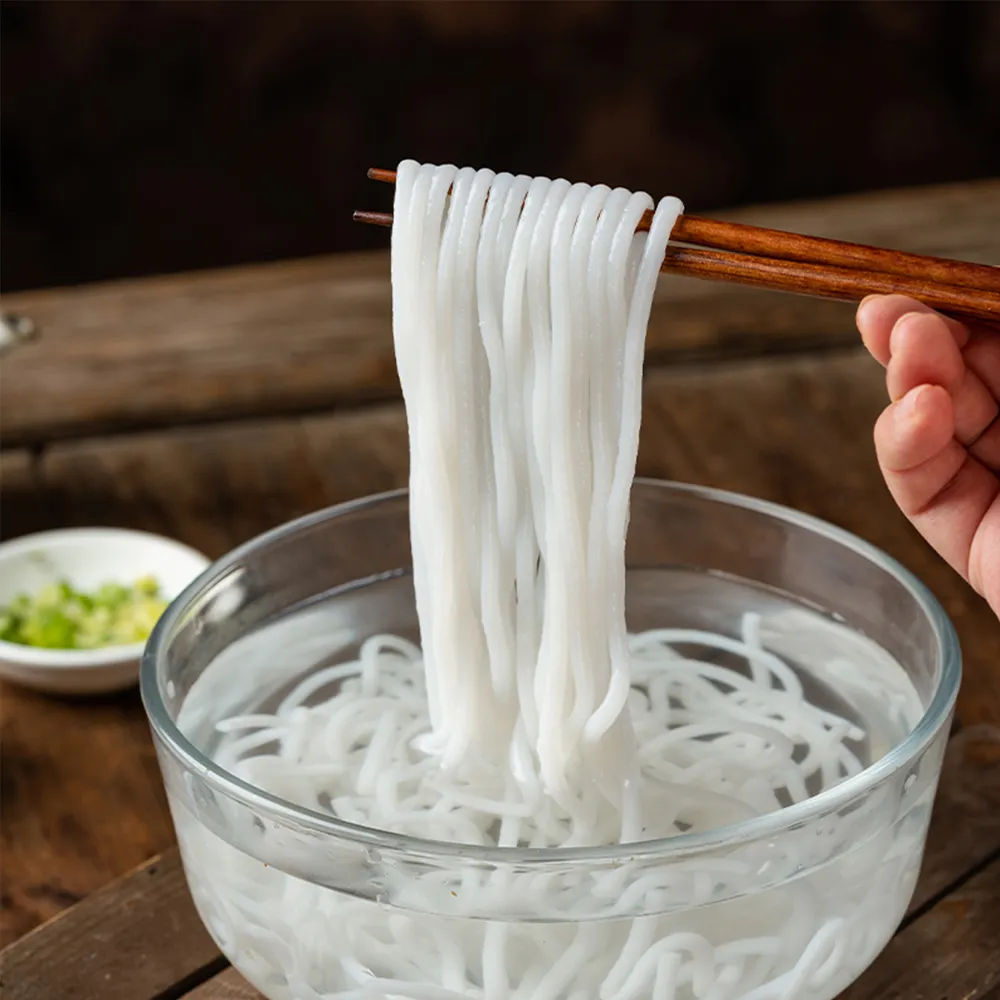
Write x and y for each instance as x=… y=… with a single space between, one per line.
x=212 y=406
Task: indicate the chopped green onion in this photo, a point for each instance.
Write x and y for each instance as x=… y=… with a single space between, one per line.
x=59 y=617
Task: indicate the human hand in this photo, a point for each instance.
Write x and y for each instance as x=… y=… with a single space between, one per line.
x=938 y=442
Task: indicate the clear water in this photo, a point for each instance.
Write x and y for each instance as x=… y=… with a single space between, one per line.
x=796 y=918
x=841 y=670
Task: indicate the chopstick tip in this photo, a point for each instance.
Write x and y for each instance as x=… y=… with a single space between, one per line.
x=373 y=218
x=382 y=175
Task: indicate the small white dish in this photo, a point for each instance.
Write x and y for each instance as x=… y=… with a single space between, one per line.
x=86 y=557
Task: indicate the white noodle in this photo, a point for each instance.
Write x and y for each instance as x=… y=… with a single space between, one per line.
x=529 y=717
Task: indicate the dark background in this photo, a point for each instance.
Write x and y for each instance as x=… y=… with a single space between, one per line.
x=144 y=137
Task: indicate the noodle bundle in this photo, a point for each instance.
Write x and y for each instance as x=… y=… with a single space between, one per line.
x=520 y=309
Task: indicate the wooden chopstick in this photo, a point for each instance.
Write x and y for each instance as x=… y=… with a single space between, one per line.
x=827 y=282
x=809 y=249
x=837 y=253
x=810 y=265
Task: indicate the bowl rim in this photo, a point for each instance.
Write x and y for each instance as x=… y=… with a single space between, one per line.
x=83 y=659
x=935 y=716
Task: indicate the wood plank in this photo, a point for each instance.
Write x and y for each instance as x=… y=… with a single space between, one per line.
x=22 y=506
x=304 y=335
x=210 y=487
x=137 y=939
x=214 y=487
x=950 y=953
x=227 y=985
x=82 y=801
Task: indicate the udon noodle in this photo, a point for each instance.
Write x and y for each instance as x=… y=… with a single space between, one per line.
x=529 y=717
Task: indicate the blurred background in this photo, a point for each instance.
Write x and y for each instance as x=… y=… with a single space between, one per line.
x=148 y=137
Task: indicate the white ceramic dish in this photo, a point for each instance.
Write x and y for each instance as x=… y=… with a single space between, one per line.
x=86 y=557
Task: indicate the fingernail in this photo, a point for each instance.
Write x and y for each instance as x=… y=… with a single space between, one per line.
x=900 y=328
x=912 y=404
x=863 y=303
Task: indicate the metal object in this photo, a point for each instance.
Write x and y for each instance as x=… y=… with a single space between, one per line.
x=15 y=330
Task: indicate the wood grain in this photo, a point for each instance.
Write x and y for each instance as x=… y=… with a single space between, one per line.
x=824 y=281
x=806 y=249
x=22 y=506
x=192 y=348
x=227 y=985
x=81 y=798
x=211 y=487
x=138 y=938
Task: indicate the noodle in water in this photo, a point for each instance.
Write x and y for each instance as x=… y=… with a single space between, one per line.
x=528 y=717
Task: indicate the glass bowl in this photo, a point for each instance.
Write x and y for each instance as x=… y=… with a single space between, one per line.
x=790 y=905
